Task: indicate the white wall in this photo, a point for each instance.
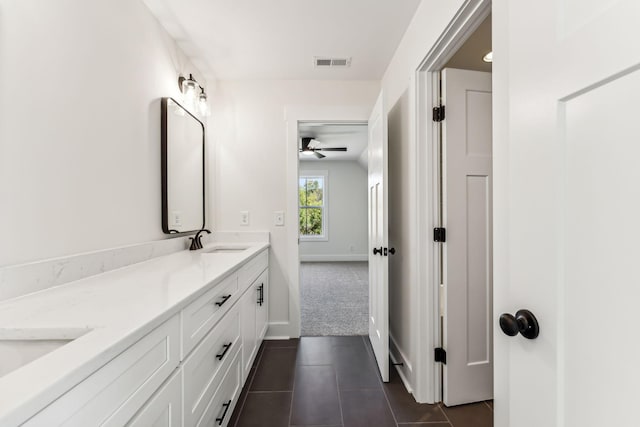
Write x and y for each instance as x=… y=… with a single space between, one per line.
x=399 y=87
x=251 y=142
x=81 y=84
x=347 y=213
x=402 y=235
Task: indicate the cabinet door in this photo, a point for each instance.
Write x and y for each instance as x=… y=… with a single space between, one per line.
x=164 y=409
x=115 y=392
x=262 y=311
x=248 y=304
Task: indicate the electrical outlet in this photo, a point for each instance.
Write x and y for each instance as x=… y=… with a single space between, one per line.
x=244 y=217
x=278 y=218
x=176 y=218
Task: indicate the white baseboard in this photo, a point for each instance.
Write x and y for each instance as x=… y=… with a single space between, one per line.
x=333 y=258
x=278 y=331
x=406 y=370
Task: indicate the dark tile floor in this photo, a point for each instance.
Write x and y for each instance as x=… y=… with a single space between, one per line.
x=333 y=381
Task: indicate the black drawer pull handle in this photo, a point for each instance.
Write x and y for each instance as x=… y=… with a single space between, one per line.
x=226 y=348
x=261 y=294
x=224 y=414
x=224 y=299
x=377 y=251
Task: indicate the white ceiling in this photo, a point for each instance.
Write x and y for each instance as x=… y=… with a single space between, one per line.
x=352 y=136
x=277 y=39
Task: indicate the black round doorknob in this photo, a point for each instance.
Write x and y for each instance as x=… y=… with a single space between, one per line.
x=509 y=324
x=377 y=251
x=392 y=251
x=523 y=322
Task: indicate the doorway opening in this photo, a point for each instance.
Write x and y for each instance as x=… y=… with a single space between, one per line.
x=454 y=106
x=463 y=121
x=332 y=227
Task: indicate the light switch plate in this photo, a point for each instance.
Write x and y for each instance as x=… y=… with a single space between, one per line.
x=244 y=217
x=278 y=218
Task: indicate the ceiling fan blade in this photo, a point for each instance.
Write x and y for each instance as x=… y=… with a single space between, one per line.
x=305 y=143
x=331 y=149
x=318 y=155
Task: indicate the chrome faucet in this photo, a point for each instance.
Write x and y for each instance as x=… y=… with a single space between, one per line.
x=196 y=241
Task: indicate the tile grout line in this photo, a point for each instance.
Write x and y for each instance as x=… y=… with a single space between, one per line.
x=445 y=414
x=421 y=423
x=335 y=373
x=384 y=393
x=249 y=383
x=293 y=386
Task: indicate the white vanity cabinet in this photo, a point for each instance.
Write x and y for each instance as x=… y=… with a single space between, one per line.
x=188 y=371
x=215 y=371
x=113 y=394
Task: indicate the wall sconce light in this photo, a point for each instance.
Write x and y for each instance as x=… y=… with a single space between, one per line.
x=203 y=107
x=189 y=87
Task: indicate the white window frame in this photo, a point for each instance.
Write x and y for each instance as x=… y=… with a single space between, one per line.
x=324 y=237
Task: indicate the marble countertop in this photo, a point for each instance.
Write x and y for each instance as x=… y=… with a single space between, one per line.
x=108 y=313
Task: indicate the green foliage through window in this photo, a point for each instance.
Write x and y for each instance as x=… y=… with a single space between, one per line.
x=311 y=202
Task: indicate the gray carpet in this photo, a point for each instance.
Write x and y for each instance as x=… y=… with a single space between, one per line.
x=334 y=298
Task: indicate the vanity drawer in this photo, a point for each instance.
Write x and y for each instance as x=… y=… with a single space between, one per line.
x=200 y=316
x=252 y=269
x=205 y=367
x=164 y=409
x=220 y=408
x=113 y=394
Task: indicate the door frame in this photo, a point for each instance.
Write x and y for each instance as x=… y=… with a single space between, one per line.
x=470 y=15
x=293 y=116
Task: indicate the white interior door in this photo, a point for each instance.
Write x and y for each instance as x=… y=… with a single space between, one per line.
x=467 y=218
x=378 y=239
x=567 y=210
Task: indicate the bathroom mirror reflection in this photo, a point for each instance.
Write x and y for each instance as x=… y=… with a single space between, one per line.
x=182 y=137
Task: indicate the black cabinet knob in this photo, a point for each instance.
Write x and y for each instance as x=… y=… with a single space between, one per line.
x=523 y=322
x=377 y=251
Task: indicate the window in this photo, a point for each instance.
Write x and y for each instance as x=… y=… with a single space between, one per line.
x=312 y=196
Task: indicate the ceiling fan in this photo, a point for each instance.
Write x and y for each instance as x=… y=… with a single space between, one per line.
x=309 y=149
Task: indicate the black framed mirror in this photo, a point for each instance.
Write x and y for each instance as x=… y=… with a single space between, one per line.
x=183 y=167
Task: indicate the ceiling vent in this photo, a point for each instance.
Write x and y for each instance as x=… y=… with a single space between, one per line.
x=321 y=62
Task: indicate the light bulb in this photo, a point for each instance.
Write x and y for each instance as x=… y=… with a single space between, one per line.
x=189 y=89
x=202 y=104
x=488 y=57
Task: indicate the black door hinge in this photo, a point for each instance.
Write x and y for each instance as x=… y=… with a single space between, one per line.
x=440 y=355
x=438 y=113
x=439 y=235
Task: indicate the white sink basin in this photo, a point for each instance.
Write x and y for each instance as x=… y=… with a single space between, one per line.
x=19 y=347
x=224 y=250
